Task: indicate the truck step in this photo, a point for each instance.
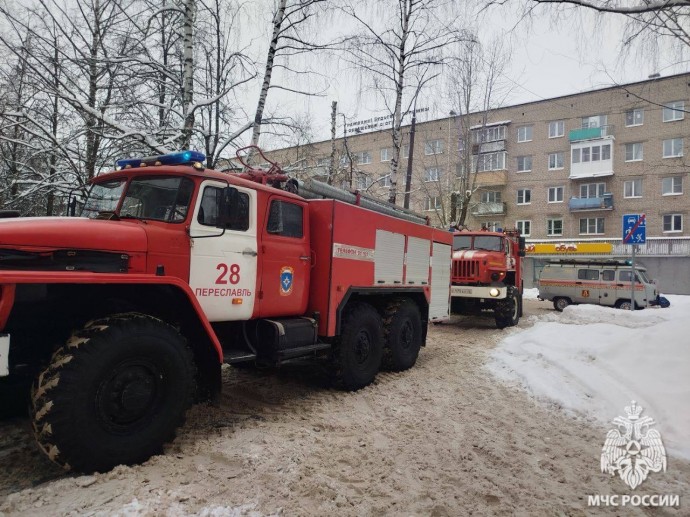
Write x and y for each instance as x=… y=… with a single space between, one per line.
x=232 y=356
x=291 y=353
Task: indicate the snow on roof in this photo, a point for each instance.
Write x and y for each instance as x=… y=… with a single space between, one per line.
x=491 y=124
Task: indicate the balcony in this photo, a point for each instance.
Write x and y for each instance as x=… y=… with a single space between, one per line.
x=579 y=204
x=492 y=178
x=481 y=209
x=591 y=133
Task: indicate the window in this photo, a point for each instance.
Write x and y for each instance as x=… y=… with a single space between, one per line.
x=592 y=225
x=433 y=147
x=524 y=134
x=555 y=161
x=524 y=163
x=432 y=174
x=594 y=153
x=554 y=227
x=634 y=117
x=490 y=162
x=285 y=219
x=158 y=198
x=555 y=194
x=674 y=111
x=323 y=162
x=632 y=188
x=405 y=151
x=673 y=223
x=594 y=121
x=633 y=152
x=606 y=152
x=591 y=190
x=364 y=182
x=491 y=196
x=362 y=157
x=489 y=134
x=524 y=196
x=588 y=274
x=672 y=186
x=524 y=227
x=608 y=275
x=556 y=128
x=386 y=181
x=673 y=148
x=238 y=209
x=386 y=154
x=432 y=203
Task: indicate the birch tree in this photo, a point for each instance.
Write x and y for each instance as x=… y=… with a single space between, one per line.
x=401 y=46
x=476 y=87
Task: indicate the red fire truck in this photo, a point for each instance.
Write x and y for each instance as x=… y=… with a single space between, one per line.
x=122 y=317
x=487 y=274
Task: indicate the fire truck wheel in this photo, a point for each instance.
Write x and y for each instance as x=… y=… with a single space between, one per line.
x=403 y=331
x=358 y=352
x=560 y=303
x=507 y=311
x=114 y=394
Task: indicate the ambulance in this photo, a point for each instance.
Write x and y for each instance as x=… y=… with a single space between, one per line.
x=601 y=282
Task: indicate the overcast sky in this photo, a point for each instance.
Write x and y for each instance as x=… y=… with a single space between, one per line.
x=550 y=59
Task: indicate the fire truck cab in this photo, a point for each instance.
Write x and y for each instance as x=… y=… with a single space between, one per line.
x=122 y=317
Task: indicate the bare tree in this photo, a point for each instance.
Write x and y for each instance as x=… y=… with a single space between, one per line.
x=401 y=48
x=650 y=23
x=476 y=87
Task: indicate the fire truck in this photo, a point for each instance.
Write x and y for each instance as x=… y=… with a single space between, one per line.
x=487 y=274
x=123 y=317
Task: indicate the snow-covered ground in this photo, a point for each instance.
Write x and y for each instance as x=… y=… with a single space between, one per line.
x=595 y=360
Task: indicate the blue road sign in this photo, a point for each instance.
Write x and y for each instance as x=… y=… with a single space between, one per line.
x=634 y=229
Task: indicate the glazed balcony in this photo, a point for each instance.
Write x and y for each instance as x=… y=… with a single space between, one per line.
x=481 y=209
x=591 y=133
x=580 y=204
x=492 y=178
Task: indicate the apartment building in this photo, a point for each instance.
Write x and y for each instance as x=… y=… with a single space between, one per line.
x=561 y=168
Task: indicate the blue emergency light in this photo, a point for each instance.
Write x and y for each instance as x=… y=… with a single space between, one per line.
x=181 y=158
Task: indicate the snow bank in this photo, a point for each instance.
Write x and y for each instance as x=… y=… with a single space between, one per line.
x=594 y=360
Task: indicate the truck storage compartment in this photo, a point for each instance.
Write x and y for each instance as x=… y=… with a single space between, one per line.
x=282 y=334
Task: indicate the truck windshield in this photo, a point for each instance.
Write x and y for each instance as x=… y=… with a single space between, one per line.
x=156 y=198
x=162 y=199
x=487 y=242
x=103 y=197
x=462 y=242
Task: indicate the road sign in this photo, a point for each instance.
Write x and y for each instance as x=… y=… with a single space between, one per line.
x=634 y=229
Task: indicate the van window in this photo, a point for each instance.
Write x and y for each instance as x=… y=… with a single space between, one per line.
x=588 y=274
x=624 y=276
x=608 y=275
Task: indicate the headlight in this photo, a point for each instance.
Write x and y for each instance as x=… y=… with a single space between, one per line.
x=494 y=292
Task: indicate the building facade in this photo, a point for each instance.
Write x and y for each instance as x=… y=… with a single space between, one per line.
x=561 y=169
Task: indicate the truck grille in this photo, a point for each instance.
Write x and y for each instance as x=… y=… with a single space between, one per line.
x=465 y=268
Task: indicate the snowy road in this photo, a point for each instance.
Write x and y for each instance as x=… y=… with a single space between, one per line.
x=445 y=438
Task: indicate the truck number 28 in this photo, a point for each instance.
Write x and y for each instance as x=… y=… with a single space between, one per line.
x=228 y=274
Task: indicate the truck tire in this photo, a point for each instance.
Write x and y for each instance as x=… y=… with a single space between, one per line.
x=507 y=311
x=359 y=349
x=403 y=332
x=113 y=394
x=561 y=303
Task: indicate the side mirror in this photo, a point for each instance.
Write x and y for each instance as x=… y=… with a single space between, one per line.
x=521 y=246
x=227 y=211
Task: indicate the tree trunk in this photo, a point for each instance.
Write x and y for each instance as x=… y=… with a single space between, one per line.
x=270 y=57
x=188 y=73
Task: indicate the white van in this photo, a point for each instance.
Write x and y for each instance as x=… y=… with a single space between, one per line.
x=602 y=282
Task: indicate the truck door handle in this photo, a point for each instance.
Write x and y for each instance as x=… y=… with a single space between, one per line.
x=251 y=253
x=304 y=257
x=578 y=283
x=619 y=285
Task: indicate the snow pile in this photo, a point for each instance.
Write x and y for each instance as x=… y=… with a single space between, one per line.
x=530 y=294
x=595 y=360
